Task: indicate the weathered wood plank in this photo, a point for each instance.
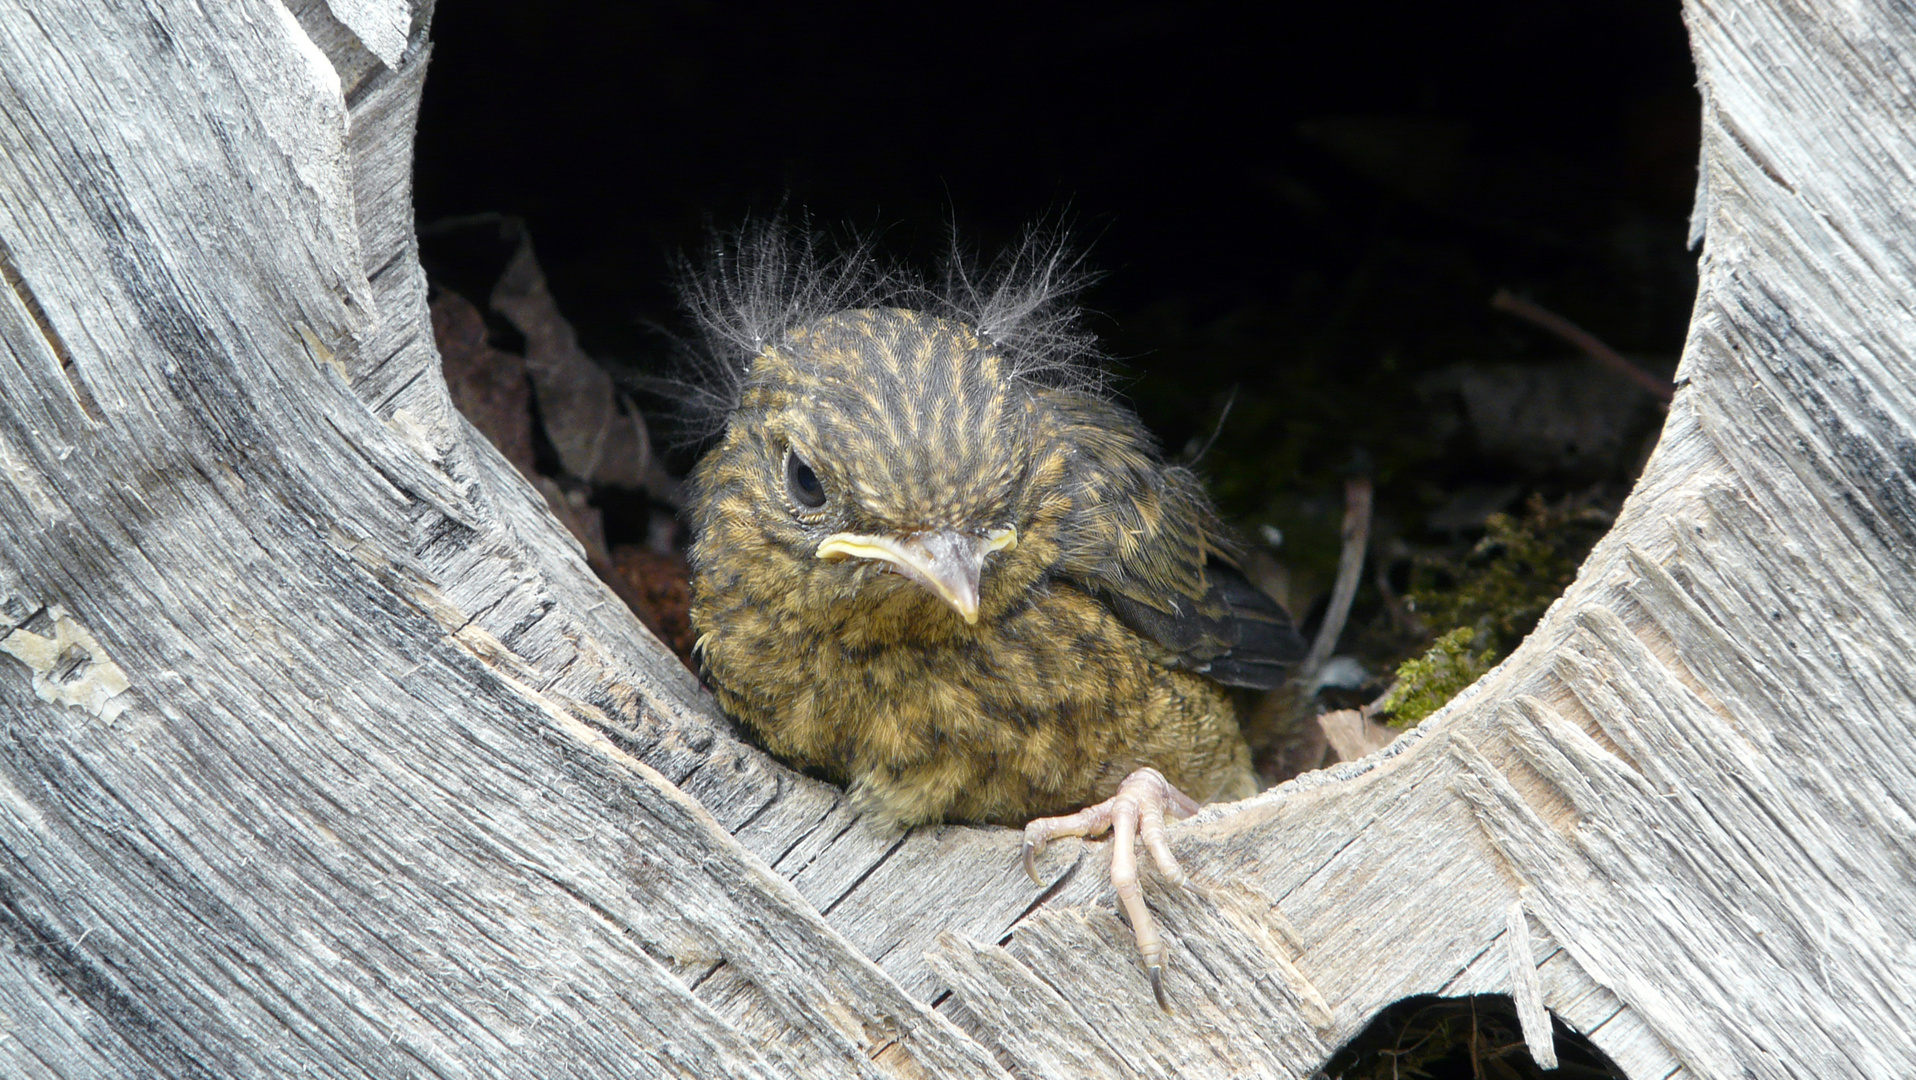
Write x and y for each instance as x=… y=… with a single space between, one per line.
x=1672 y=872
x=365 y=774
x=336 y=824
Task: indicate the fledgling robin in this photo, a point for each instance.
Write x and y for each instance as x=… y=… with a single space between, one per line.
x=935 y=563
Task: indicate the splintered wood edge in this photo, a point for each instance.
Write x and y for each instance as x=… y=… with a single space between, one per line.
x=929 y=905
x=1657 y=782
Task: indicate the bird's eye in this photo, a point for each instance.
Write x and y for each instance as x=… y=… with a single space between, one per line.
x=801 y=483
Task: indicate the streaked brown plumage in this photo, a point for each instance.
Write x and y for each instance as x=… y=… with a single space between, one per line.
x=967 y=593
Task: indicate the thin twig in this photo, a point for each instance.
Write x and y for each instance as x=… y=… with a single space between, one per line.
x=1350 y=568
x=1223 y=415
x=1583 y=339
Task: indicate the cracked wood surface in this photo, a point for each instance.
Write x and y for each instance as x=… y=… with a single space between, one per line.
x=321 y=749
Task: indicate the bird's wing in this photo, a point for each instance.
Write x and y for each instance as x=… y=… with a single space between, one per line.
x=1142 y=536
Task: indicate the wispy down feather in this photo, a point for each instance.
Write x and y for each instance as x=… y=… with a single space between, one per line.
x=753 y=287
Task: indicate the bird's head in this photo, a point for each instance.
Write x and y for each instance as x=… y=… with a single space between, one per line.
x=870 y=449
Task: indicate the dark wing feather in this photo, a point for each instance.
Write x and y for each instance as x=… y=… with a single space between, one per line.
x=1234 y=633
x=1143 y=537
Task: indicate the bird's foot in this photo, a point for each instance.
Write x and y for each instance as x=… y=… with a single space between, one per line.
x=1144 y=801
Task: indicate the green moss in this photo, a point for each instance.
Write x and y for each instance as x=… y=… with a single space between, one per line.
x=1483 y=605
x=1426 y=682
x=1512 y=576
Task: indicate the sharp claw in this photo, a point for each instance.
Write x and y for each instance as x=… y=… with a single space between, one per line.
x=1137 y=813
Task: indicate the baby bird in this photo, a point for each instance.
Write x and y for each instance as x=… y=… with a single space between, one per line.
x=972 y=591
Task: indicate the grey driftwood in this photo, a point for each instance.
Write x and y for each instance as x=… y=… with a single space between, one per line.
x=322 y=753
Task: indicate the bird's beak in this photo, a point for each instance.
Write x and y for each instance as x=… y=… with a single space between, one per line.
x=948 y=563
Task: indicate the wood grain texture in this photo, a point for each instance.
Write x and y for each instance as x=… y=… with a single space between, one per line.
x=322 y=751
x=348 y=818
